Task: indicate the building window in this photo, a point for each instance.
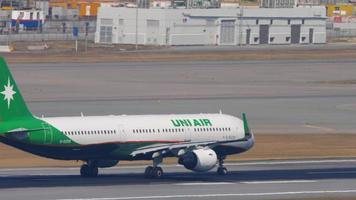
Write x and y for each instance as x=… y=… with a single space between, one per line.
x=288 y=21
x=257 y=22
x=152 y=23
x=106 y=31
x=271 y=21
x=121 y=22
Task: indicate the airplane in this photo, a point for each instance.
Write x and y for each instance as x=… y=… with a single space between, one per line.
x=200 y=142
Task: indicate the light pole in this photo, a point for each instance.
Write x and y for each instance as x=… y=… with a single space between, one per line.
x=241 y=25
x=136 y=35
x=10 y=25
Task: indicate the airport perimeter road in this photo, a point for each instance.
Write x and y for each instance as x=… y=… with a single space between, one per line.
x=293 y=96
x=247 y=180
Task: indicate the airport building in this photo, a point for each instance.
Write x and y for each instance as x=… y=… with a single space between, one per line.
x=250 y=26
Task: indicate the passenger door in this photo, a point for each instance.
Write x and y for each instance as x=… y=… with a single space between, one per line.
x=122 y=133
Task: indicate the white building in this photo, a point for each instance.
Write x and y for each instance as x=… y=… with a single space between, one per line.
x=211 y=26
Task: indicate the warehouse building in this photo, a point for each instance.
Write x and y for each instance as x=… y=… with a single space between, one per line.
x=211 y=26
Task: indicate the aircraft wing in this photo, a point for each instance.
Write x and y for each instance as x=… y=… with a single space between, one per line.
x=182 y=147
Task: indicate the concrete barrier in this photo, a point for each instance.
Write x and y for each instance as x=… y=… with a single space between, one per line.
x=6 y=48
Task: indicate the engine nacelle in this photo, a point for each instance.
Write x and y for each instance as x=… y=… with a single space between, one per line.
x=105 y=163
x=199 y=160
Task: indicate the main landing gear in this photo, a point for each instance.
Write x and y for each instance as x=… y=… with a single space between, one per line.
x=154 y=171
x=89 y=170
x=222 y=169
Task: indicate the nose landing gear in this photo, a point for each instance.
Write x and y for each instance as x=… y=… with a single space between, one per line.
x=89 y=170
x=222 y=169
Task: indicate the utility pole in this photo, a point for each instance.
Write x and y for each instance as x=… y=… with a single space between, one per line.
x=136 y=35
x=10 y=25
x=241 y=25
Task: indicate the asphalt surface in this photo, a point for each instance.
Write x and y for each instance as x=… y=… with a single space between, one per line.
x=246 y=180
x=292 y=96
x=288 y=96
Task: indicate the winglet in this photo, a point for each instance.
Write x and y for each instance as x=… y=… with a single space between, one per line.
x=246 y=128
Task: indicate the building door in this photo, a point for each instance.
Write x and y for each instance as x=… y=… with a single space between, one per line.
x=120 y=31
x=211 y=32
x=123 y=135
x=106 y=31
x=264 y=34
x=227 y=32
x=295 y=34
x=248 y=36
x=311 y=35
x=152 y=31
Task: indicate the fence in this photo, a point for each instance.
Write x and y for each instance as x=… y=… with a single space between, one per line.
x=44 y=37
x=52 y=30
x=335 y=33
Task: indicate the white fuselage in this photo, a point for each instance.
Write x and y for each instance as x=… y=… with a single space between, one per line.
x=149 y=128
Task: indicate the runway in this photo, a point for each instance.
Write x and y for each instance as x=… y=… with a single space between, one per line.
x=280 y=96
x=287 y=179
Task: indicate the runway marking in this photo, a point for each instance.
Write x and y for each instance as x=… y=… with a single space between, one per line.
x=338 y=172
x=279 y=182
x=291 y=162
x=184 y=196
x=205 y=183
x=319 y=127
x=174 y=165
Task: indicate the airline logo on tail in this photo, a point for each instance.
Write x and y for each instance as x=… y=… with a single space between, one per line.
x=8 y=93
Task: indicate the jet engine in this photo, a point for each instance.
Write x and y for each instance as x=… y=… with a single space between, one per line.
x=199 y=160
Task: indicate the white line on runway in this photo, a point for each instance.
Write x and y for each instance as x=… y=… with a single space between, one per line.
x=222 y=195
x=319 y=127
x=338 y=172
x=279 y=182
x=291 y=162
x=227 y=164
x=204 y=183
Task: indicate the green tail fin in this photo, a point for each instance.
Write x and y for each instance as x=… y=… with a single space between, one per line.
x=12 y=105
x=246 y=128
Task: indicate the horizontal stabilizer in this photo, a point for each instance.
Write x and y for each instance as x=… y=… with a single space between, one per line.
x=23 y=130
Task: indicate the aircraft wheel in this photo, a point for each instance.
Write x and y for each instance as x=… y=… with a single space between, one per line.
x=153 y=172
x=157 y=172
x=148 y=172
x=94 y=172
x=222 y=171
x=87 y=171
x=84 y=170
